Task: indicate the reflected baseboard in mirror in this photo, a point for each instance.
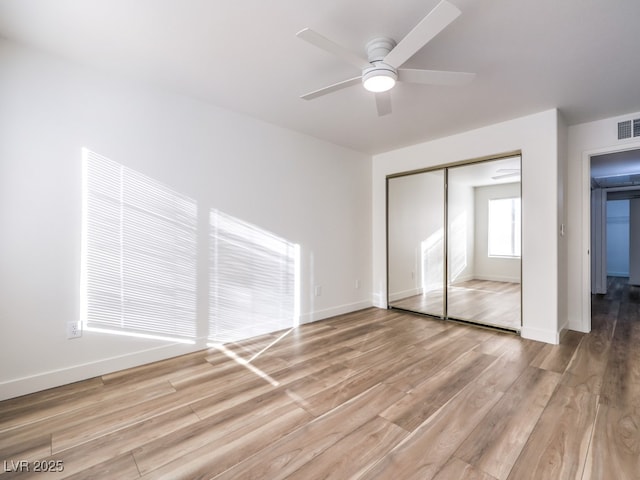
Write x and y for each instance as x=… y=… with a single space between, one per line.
x=421 y=303
x=481 y=301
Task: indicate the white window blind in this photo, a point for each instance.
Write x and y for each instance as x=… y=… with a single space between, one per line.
x=254 y=280
x=504 y=227
x=139 y=253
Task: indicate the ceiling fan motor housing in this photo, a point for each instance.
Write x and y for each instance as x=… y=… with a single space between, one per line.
x=380 y=76
x=378 y=48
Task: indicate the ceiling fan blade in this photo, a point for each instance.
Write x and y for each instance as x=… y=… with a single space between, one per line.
x=327 y=45
x=437 y=20
x=332 y=88
x=383 y=103
x=434 y=77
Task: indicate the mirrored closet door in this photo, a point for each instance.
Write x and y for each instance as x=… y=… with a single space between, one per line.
x=454 y=242
x=416 y=253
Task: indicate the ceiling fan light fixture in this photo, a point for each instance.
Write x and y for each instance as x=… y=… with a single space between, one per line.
x=379 y=79
x=382 y=67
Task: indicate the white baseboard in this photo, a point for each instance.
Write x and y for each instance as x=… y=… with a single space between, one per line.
x=562 y=331
x=332 y=312
x=55 y=378
x=578 y=327
x=540 y=335
x=494 y=278
x=379 y=301
x=404 y=294
x=464 y=278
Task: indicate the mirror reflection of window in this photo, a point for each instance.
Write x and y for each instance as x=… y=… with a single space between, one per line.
x=504 y=227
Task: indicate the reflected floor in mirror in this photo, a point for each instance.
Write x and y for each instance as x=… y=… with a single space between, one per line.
x=482 y=301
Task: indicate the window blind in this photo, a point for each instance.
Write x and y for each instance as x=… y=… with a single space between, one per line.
x=139 y=253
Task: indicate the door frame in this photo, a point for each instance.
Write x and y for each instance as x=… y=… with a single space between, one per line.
x=586 y=226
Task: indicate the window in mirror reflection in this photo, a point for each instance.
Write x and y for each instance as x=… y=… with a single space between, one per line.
x=504 y=227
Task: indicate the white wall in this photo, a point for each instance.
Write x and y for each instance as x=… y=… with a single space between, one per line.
x=537 y=137
x=486 y=267
x=302 y=189
x=585 y=140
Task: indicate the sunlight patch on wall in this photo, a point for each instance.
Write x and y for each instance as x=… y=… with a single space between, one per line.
x=138 y=274
x=458 y=246
x=432 y=261
x=254 y=280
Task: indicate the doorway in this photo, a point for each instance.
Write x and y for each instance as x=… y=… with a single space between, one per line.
x=454 y=242
x=615 y=219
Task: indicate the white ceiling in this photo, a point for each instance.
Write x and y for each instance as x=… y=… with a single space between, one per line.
x=529 y=56
x=494 y=172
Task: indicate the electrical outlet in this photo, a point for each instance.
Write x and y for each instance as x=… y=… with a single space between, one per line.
x=318 y=290
x=357 y=283
x=74 y=329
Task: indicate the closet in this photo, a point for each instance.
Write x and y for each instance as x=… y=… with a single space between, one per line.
x=454 y=242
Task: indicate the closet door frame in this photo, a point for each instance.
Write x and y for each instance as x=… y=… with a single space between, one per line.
x=445 y=168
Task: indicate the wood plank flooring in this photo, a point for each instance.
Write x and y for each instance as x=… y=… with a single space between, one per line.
x=372 y=394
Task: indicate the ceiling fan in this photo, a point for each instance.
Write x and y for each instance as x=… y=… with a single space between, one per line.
x=380 y=70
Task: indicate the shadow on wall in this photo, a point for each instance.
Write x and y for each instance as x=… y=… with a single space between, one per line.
x=139 y=263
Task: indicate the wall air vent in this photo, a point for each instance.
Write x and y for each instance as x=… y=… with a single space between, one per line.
x=636 y=127
x=624 y=129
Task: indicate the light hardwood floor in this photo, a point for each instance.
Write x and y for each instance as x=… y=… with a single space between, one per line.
x=372 y=394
